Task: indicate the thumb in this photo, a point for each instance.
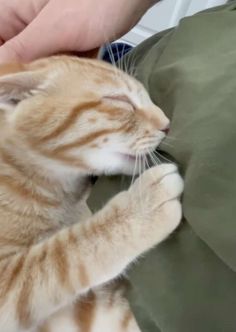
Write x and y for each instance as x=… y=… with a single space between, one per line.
x=42 y=37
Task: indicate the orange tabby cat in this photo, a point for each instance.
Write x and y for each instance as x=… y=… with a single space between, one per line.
x=61 y=120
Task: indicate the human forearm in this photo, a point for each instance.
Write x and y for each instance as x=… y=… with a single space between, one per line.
x=45 y=27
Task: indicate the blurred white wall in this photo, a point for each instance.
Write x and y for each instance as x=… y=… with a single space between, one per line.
x=166 y=14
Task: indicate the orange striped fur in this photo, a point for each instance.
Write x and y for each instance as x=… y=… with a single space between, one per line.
x=63 y=119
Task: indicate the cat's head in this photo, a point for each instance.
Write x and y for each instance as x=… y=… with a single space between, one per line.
x=79 y=114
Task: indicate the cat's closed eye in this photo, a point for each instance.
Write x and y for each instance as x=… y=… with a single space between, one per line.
x=14 y=101
x=122 y=100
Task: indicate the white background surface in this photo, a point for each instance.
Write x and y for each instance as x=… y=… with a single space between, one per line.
x=166 y=14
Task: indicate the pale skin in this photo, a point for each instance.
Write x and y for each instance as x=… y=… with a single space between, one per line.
x=30 y=29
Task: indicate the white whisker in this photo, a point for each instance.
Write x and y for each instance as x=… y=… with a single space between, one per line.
x=140 y=183
x=154 y=159
x=157 y=154
x=134 y=171
x=171 y=138
x=167 y=144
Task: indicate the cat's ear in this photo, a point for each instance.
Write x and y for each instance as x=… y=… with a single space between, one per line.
x=18 y=82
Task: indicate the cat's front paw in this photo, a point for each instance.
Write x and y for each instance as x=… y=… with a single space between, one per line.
x=154 y=204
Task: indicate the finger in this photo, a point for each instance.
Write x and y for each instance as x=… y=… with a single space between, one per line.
x=15 y=16
x=10 y=23
x=42 y=37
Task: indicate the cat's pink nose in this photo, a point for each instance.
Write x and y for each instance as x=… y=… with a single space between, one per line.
x=166 y=129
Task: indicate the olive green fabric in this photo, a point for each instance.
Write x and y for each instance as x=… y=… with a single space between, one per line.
x=188 y=283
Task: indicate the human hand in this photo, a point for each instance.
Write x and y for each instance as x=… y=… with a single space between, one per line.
x=30 y=29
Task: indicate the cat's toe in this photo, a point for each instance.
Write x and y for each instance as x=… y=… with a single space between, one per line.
x=172 y=185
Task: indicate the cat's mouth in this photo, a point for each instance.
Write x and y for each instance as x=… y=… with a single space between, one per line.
x=128 y=163
x=128 y=157
x=132 y=158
